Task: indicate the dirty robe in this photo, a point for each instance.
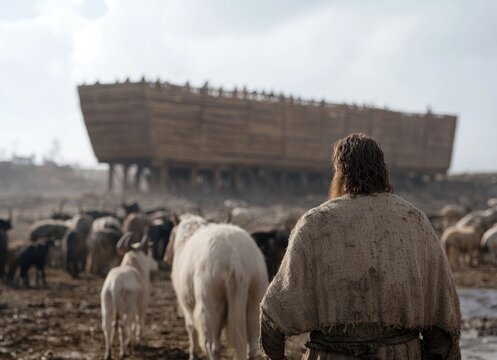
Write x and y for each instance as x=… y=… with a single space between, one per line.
x=364 y=267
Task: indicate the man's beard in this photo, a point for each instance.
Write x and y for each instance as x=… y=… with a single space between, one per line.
x=336 y=187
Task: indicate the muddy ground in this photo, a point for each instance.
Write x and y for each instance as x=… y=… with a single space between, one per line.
x=62 y=321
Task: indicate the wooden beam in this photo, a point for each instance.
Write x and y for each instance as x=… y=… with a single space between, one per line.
x=110 y=179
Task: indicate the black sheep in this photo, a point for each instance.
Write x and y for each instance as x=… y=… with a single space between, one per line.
x=31 y=255
x=273 y=245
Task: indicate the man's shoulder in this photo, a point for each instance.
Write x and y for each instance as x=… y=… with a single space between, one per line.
x=335 y=207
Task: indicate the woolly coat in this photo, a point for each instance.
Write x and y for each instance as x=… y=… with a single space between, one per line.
x=363 y=266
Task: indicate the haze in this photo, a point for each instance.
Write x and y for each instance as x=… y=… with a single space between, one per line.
x=405 y=55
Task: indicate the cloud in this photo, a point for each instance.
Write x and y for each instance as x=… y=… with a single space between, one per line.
x=405 y=55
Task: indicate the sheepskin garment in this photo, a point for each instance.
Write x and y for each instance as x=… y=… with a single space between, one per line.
x=364 y=262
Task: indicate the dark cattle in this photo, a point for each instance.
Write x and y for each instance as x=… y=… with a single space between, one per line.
x=52 y=229
x=61 y=216
x=158 y=237
x=28 y=256
x=96 y=214
x=102 y=251
x=74 y=252
x=82 y=224
x=160 y=209
x=5 y=226
x=273 y=245
x=130 y=208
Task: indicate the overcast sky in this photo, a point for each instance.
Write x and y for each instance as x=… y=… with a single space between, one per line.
x=406 y=55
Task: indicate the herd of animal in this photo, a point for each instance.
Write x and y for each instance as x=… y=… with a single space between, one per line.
x=470 y=237
x=219 y=271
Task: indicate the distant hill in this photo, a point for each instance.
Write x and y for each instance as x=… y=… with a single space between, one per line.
x=49 y=179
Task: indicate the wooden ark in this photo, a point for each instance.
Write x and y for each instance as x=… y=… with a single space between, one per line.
x=238 y=136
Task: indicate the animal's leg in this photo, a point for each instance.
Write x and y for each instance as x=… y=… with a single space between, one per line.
x=128 y=323
x=12 y=271
x=192 y=336
x=120 y=331
x=210 y=320
x=179 y=311
x=140 y=321
x=24 y=275
x=253 y=324
x=108 y=334
x=112 y=328
x=453 y=258
x=42 y=272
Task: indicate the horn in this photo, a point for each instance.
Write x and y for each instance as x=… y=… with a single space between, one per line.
x=228 y=216
x=144 y=239
x=175 y=219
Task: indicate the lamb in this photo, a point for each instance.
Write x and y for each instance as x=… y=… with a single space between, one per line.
x=28 y=256
x=124 y=298
x=219 y=277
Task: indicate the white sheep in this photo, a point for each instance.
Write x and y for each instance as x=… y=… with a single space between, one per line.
x=219 y=277
x=124 y=298
x=485 y=218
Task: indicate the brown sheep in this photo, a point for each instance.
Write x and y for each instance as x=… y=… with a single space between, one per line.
x=462 y=243
x=136 y=223
x=451 y=214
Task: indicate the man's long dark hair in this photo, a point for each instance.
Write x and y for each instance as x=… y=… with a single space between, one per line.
x=360 y=167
